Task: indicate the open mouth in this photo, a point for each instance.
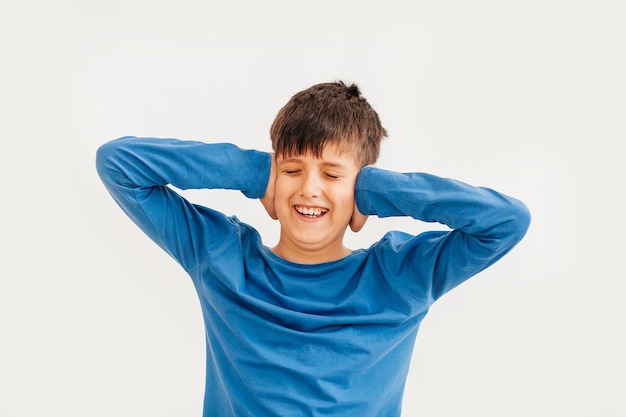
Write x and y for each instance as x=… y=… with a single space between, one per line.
x=311 y=212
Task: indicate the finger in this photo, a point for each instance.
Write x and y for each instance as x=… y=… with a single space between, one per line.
x=357 y=221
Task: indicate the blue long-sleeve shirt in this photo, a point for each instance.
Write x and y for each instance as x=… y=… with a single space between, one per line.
x=286 y=339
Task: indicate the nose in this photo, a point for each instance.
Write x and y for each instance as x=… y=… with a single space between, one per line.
x=310 y=185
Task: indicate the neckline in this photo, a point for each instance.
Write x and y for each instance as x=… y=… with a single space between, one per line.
x=287 y=262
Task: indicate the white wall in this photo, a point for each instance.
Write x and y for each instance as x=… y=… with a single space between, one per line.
x=526 y=97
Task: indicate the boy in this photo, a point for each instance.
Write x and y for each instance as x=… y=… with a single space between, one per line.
x=309 y=327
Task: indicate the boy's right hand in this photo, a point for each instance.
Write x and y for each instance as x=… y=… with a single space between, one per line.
x=268 y=199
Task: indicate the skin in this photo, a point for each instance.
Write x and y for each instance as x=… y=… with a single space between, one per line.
x=313 y=199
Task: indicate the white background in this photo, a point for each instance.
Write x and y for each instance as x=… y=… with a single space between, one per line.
x=525 y=97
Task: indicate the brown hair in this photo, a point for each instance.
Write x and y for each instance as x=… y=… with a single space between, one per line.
x=328 y=112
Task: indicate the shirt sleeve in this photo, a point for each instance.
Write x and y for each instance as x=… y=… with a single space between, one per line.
x=137 y=172
x=484 y=224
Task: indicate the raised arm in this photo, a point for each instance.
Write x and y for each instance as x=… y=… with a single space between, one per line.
x=137 y=171
x=485 y=225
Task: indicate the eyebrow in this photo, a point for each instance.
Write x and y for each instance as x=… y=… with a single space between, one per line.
x=325 y=163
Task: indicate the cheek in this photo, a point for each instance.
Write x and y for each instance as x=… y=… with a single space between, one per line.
x=281 y=197
x=344 y=201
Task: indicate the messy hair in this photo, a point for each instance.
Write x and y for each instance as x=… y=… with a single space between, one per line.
x=328 y=113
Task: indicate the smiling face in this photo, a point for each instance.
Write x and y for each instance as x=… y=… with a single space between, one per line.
x=314 y=202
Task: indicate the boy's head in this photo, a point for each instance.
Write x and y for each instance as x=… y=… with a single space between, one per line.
x=328 y=112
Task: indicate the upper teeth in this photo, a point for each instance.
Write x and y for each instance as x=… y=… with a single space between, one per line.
x=311 y=211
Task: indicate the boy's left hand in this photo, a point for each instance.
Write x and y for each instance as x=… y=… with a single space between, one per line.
x=358 y=220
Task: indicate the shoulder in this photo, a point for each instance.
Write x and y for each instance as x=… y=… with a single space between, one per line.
x=247 y=236
x=397 y=243
x=408 y=261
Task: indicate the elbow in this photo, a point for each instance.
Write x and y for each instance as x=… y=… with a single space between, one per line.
x=103 y=157
x=523 y=217
x=107 y=155
x=519 y=221
x=502 y=238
